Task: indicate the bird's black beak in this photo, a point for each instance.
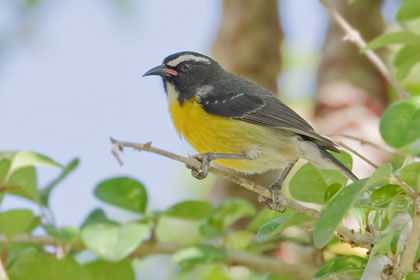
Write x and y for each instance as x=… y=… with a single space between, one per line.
x=162 y=71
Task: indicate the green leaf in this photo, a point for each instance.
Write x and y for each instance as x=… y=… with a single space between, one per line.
x=266 y=215
x=63 y=234
x=15 y=221
x=380 y=176
x=210 y=231
x=17 y=250
x=103 y=270
x=4 y=168
x=404 y=69
x=177 y=231
x=409 y=9
x=45 y=192
x=379 y=219
x=238 y=239
x=413 y=276
x=123 y=192
x=218 y=272
x=405 y=53
x=339 y=265
x=44 y=267
x=400 y=122
x=114 y=242
x=224 y=215
x=384 y=194
x=335 y=211
x=7 y=155
x=399 y=203
x=26 y=178
x=405 y=59
x=197 y=254
x=309 y=183
x=411 y=175
x=194 y=210
x=359 y=215
x=332 y=190
x=402 y=37
x=25 y=158
x=383 y=243
x=274 y=227
x=97 y=216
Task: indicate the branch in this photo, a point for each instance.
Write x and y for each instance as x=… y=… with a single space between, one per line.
x=368 y=161
x=345 y=234
x=253 y=261
x=8 y=188
x=407 y=261
x=369 y=143
x=354 y=36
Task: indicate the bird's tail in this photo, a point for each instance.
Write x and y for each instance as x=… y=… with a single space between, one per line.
x=339 y=165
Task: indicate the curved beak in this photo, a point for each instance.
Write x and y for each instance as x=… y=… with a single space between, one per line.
x=162 y=71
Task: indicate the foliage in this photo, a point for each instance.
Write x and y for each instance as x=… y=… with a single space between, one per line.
x=205 y=240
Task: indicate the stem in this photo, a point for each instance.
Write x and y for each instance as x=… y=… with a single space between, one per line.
x=407 y=261
x=3 y=273
x=354 y=36
x=368 y=161
x=256 y=262
x=9 y=188
x=345 y=234
x=369 y=143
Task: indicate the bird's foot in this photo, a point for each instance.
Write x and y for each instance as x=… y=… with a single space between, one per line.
x=203 y=171
x=276 y=201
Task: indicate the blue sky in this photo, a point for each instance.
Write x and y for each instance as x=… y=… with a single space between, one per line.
x=77 y=81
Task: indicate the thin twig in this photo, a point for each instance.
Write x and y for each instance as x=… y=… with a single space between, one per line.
x=356 y=153
x=369 y=143
x=9 y=188
x=345 y=234
x=354 y=36
x=407 y=260
x=257 y=262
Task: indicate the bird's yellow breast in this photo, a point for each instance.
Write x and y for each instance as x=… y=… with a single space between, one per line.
x=210 y=133
x=205 y=132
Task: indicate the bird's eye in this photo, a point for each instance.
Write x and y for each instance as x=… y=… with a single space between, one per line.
x=185 y=67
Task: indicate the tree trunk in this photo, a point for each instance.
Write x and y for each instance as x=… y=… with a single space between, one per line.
x=352 y=94
x=248 y=44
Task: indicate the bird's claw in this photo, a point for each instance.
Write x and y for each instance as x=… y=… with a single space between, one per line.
x=275 y=202
x=203 y=171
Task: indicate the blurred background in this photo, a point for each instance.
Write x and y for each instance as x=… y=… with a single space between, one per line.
x=70 y=78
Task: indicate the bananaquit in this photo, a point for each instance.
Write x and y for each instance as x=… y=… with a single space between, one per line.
x=237 y=123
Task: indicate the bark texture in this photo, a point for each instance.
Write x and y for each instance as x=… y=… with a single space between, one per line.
x=343 y=67
x=248 y=44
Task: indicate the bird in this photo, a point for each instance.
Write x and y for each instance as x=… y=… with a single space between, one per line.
x=237 y=123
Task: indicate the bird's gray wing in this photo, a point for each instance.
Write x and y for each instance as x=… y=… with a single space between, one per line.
x=262 y=109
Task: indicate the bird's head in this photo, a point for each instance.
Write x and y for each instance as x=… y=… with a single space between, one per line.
x=187 y=72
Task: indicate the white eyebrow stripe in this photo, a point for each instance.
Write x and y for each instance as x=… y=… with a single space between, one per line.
x=187 y=57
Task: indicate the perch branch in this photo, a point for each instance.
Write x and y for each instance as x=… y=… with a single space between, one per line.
x=354 y=36
x=257 y=262
x=345 y=234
